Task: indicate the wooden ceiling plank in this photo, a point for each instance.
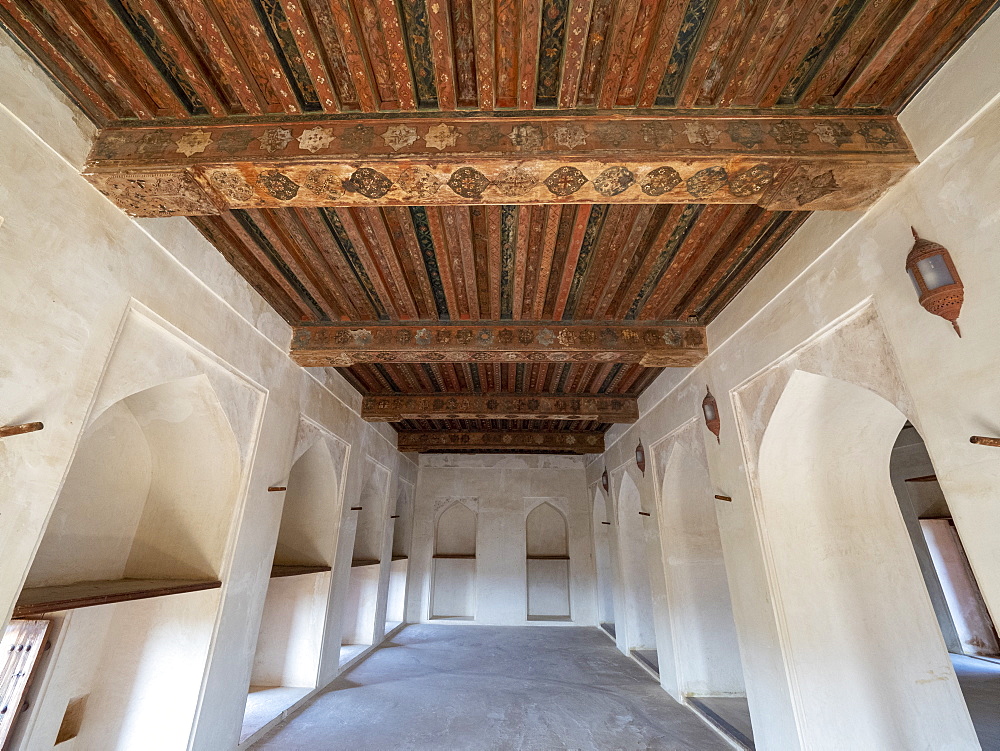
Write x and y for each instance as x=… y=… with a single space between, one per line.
x=599 y=33
x=466 y=441
x=375 y=270
x=572 y=258
x=619 y=51
x=479 y=219
x=463 y=230
x=634 y=281
x=630 y=251
x=350 y=40
x=439 y=22
x=659 y=54
x=567 y=217
x=577 y=25
x=311 y=52
x=493 y=246
x=482 y=14
x=536 y=243
x=508 y=30
x=637 y=55
x=805 y=29
x=455 y=259
x=393 y=30
x=342 y=344
x=404 y=240
x=629 y=375
x=388 y=257
x=608 y=245
x=64 y=63
x=461 y=405
x=305 y=230
x=553 y=220
x=524 y=224
x=579 y=379
x=767 y=45
x=365 y=22
x=530 y=36
x=443 y=254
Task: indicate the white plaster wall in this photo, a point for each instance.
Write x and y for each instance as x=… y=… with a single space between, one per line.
x=503 y=489
x=95 y=306
x=833 y=266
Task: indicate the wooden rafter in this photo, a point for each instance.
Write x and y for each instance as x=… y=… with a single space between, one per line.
x=603 y=408
x=343 y=345
x=459 y=441
x=781 y=162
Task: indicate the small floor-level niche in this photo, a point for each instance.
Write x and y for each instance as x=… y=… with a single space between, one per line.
x=547 y=564
x=145 y=511
x=289 y=642
x=453 y=593
x=361 y=605
x=395 y=612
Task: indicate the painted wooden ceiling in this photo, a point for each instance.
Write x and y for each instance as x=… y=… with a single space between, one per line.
x=170 y=61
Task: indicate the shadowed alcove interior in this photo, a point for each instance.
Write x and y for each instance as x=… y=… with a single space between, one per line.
x=453 y=591
x=547 y=564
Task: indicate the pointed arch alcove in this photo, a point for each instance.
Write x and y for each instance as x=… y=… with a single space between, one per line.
x=547 y=564
x=637 y=595
x=604 y=562
x=402 y=522
x=453 y=589
x=145 y=511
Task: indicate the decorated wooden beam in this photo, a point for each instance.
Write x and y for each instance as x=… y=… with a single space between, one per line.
x=469 y=441
x=651 y=345
x=781 y=162
x=599 y=407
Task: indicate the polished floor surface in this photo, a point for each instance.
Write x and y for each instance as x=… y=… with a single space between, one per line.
x=463 y=688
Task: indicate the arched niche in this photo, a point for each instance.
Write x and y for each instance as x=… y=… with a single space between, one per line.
x=547 y=564
x=371 y=516
x=639 y=618
x=309 y=517
x=150 y=494
x=453 y=592
x=707 y=656
x=858 y=632
x=399 y=567
x=604 y=564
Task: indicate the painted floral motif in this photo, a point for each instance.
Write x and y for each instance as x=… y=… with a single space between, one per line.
x=515 y=181
x=703 y=133
x=399 y=136
x=314 y=139
x=323 y=182
x=673 y=338
x=612 y=135
x=468 y=182
x=789 y=133
x=546 y=337
x=659 y=134
x=751 y=181
x=193 y=143
x=878 y=133
x=746 y=133
x=485 y=337
x=808 y=189
x=614 y=180
x=565 y=181
x=441 y=136
x=418 y=182
x=484 y=136
x=234 y=140
x=278 y=185
x=835 y=134
x=232 y=185
x=358 y=138
x=423 y=337
x=274 y=139
x=368 y=182
x=570 y=136
x=360 y=337
x=707 y=181
x=526 y=137
x=660 y=180
x=566 y=338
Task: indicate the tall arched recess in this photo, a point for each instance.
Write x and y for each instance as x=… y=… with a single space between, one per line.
x=867 y=665
x=639 y=619
x=145 y=511
x=453 y=594
x=604 y=563
x=547 y=564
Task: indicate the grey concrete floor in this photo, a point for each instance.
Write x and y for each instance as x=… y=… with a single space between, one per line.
x=980 y=682
x=503 y=689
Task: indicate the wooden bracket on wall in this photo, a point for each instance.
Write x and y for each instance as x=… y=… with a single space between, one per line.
x=394 y=516
x=608 y=523
x=725 y=498
x=276 y=488
x=982 y=440
x=643 y=513
x=356 y=508
x=28 y=427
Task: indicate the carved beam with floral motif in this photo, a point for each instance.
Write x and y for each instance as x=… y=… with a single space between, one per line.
x=597 y=407
x=464 y=441
x=783 y=161
x=651 y=345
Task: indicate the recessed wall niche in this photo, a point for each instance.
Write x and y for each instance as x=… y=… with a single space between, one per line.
x=547 y=564
x=453 y=591
x=399 y=567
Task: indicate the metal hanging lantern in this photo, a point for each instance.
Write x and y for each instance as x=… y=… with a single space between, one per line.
x=936 y=279
x=711 y=410
x=640 y=458
x=604 y=480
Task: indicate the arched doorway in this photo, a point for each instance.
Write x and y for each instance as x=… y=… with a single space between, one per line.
x=867 y=666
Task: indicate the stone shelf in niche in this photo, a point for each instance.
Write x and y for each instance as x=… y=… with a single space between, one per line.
x=279 y=570
x=35 y=601
x=454 y=555
x=400 y=557
x=548 y=557
x=359 y=562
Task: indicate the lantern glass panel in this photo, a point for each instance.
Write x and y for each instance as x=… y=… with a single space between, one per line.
x=913 y=278
x=710 y=413
x=935 y=272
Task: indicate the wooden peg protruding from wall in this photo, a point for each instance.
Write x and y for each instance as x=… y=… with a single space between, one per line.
x=276 y=488
x=982 y=440
x=28 y=427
